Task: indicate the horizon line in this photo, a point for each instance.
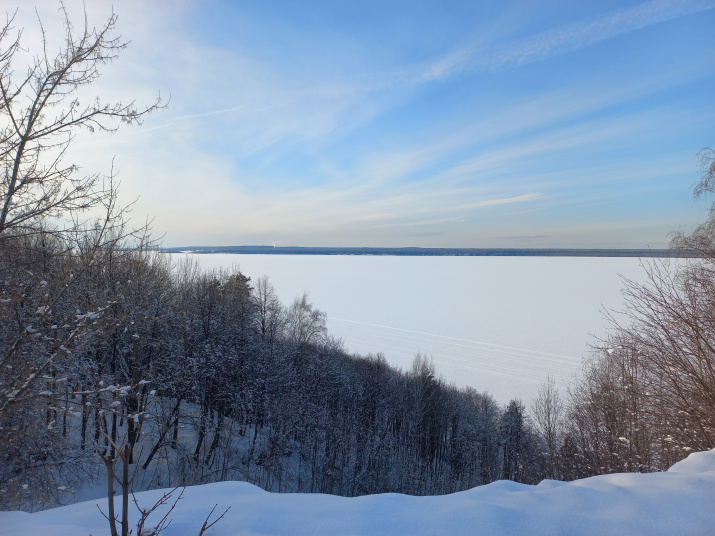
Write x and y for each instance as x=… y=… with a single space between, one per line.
x=433 y=251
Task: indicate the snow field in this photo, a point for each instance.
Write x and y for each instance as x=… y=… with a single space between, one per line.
x=497 y=324
x=678 y=501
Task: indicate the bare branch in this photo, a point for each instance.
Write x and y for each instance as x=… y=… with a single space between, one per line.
x=208 y=525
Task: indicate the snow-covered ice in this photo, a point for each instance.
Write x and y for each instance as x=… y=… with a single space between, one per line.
x=678 y=501
x=498 y=324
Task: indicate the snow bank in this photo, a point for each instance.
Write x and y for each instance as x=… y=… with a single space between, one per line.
x=678 y=501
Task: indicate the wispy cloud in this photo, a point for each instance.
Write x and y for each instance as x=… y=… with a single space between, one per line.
x=525 y=237
x=250 y=148
x=563 y=39
x=505 y=201
x=309 y=110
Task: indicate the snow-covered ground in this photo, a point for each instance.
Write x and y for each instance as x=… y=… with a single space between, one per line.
x=498 y=324
x=678 y=501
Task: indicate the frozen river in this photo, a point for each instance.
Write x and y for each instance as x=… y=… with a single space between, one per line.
x=498 y=324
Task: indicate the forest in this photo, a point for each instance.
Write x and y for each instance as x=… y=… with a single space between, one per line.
x=117 y=365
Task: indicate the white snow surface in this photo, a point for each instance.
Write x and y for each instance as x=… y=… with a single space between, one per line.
x=678 y=501
x=498 y=324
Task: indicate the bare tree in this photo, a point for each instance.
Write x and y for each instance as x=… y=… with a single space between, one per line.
x=59 y=229
x=671 y=333
x=41 y=195
x=40 y=112
x=269 y=309
x=702 y=239
x=304 y=322
x=548 y=412
x=647 y=397
x=608 y=413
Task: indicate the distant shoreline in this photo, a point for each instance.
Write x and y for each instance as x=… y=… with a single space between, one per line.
x=433 y=252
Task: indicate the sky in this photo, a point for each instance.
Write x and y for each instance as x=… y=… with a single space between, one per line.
x=405 y=123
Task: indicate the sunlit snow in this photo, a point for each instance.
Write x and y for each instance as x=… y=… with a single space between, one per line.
x=678 y=501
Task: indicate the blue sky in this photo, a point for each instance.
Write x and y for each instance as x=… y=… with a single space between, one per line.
x=435 y=124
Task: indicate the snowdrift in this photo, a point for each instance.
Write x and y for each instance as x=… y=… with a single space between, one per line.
x=678 y=501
